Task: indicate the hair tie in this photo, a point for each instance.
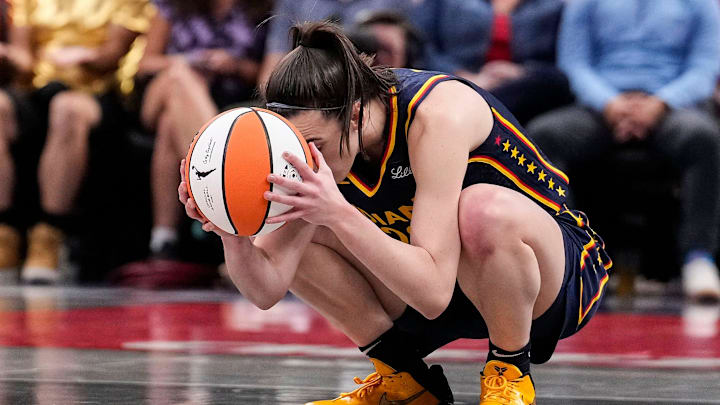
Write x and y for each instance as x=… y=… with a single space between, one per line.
x=282 y=106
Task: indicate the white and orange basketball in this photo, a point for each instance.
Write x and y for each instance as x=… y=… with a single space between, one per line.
x=228 y=163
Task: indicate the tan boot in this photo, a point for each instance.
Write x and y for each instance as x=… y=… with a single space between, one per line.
x=41 y=264
x=9 y=254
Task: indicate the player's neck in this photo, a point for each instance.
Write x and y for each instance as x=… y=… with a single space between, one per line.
x=374 y=128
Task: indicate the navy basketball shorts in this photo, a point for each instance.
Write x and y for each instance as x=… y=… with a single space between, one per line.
x=586 y=264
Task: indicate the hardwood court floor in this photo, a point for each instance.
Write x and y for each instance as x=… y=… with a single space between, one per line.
x=67 y=345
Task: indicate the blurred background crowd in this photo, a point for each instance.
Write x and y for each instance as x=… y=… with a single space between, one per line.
x=99 y=100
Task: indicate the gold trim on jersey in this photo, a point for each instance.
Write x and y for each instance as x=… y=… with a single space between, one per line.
x=354 y=179
x=597 y=296
x=515 y=179
x=530 y=145
x=420 y=93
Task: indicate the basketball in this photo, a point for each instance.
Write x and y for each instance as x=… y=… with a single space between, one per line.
x=228 y=163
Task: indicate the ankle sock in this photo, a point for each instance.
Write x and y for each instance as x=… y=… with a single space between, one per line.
x=395 y=348
x=518 y=358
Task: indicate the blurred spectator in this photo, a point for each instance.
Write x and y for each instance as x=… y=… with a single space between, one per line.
x=76 y=48
x=343 y=12
x=640 y=71
x=13 y=64
x=504 y=46
x=391 y=37
x=200 y=58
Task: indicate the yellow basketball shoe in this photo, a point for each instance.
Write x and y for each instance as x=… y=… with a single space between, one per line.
x=503 y=383
x=384 y=387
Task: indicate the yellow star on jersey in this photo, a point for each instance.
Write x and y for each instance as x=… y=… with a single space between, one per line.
x=521 y=160
x=541 y=175
x=506 y=145
x=531 y=167
x=560 y=191
x=514 y=152
x=551 y=184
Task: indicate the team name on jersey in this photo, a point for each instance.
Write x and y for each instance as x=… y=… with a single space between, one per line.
x=395 y=223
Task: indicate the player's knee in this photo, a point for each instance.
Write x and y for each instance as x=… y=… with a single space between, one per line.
x=484 y=221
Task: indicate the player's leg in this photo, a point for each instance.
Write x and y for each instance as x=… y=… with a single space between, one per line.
x=511 y=267
x=62 y=168
x=333 y=282
x=9 y=236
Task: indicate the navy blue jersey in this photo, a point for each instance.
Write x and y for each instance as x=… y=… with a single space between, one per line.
x=507 y=158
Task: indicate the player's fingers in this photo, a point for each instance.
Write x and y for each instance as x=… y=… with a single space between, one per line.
x=302 y=168
x=182 y=193
x=182 y=171
x=286 y=217
x=289 y=184
x=317 y=156
x=192 y=211
x=292 y=201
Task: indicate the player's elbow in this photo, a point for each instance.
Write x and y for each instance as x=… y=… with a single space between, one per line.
x=435 y=304
x=264 y=303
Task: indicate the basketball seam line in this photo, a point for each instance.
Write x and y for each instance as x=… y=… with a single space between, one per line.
x=272 y=166
x=227 y=141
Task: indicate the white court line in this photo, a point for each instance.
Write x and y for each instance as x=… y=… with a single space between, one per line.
x=306 y=388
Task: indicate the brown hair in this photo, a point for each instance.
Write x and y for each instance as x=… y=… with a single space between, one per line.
x=325 y=72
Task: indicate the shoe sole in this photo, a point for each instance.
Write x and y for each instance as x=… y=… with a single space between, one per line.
x=40 y=275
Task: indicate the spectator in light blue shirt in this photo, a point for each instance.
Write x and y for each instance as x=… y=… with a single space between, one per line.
x=640 y=69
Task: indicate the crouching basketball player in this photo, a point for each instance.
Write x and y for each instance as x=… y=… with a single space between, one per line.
x=431 y=217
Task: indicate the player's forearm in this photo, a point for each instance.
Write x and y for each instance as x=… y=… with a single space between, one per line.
x=264 y=269
x=253 y=273
x=406 y=270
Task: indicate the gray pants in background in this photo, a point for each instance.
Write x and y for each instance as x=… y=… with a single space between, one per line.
x=689 y=138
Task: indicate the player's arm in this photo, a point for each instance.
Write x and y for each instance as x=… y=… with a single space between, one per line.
x=423 y=273
x=262 y=269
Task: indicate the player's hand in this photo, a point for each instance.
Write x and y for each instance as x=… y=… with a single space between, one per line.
x=191 y=208
x=317 y=198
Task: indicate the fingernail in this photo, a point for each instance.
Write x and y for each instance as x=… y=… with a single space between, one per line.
x=285 y=155
x=271 y=177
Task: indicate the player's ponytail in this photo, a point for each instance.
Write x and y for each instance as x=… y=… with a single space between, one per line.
x=325 y=72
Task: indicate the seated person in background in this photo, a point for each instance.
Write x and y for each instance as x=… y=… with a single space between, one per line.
x=396 y=43
x=288 y=12
x=76 y=48
x=639 y=72
x=13 y=66
x=201 y=57
x=504 y=46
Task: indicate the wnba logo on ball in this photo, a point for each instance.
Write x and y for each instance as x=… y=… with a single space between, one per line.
x=200 y=175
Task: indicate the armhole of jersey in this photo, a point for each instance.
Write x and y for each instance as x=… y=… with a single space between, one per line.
x=420 y=96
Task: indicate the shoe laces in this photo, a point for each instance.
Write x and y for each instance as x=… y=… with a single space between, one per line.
x=366 y=386
x=500 y=389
